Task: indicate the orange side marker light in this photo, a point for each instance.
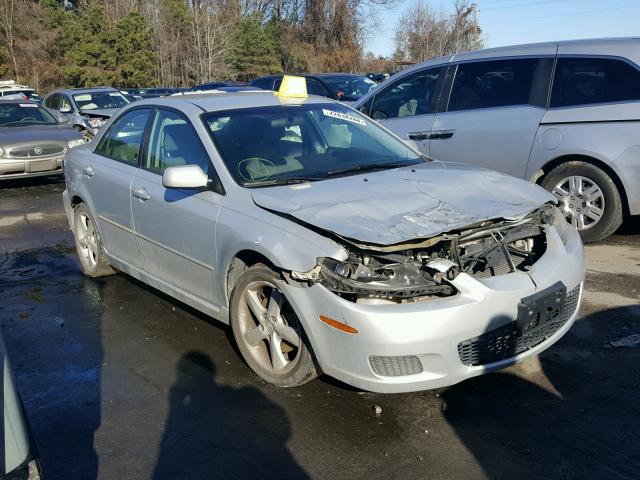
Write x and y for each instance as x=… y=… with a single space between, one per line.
x=343 y=327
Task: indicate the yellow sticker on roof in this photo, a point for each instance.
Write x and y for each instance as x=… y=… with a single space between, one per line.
x=344 y=116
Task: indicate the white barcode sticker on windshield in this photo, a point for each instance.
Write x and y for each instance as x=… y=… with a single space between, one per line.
x=114 y=94
x=83 y=97
x=343 y=116
x=28 y=105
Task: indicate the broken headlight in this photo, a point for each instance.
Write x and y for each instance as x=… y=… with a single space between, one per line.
x=95 y=122
x=398 y=279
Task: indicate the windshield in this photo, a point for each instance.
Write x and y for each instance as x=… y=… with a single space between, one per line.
x=287 y=143
x=349 y=87
x=99 y=100
x=21 y=114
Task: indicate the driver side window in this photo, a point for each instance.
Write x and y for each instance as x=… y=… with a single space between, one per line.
x=174 y=142
x=413 y=95
x=122 y=141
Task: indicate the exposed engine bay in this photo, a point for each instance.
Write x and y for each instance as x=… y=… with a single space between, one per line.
x=422 y=270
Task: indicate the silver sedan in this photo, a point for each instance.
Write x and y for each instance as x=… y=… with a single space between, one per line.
x=327 y=243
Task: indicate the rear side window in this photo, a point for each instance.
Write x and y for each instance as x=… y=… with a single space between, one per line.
x=585 y=81
x=122 y=141
x=174 y=143
x=314 y=88
x=53 y=102
x=497 y=83
x=264 y=83
x=413 y=95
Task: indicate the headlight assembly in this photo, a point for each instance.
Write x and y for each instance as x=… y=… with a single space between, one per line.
x=95 y=122
x=76 y=142
x=561 y=225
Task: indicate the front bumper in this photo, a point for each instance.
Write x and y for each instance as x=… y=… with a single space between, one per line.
x=431 y=331
x=21 y=168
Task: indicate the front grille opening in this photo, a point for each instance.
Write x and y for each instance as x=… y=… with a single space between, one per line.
x=398 y=366
x=504 y=342
x=502 y=258
x=35 y=151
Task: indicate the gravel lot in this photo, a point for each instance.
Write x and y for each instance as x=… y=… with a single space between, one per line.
x=122 y=382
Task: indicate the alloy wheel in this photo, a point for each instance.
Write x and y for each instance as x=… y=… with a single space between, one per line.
x=87 y=240
x=268 y=326
x=582 y=201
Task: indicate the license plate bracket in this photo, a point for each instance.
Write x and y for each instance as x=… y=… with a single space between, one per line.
x=540 y=308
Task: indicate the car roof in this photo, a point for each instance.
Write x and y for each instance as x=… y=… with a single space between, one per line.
x=85 y=90
x=330 y=75
x=317 y=75
x=212 y=101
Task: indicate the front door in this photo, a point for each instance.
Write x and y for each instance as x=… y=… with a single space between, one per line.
x=176 y=227
x=493 y=114
x=407 y=107
x=108 y=174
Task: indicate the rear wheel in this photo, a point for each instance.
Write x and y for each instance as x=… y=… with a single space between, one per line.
x=89 y=244
x=589 y=199
x=267 y=330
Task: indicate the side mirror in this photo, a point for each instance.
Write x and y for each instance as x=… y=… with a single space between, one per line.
x=185 y=176
x=63 y=119
x=65 y=110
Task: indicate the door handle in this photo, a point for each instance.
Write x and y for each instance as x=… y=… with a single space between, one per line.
x=419 y=136
x=441 y=134
x=88 y=171
x=141 y=193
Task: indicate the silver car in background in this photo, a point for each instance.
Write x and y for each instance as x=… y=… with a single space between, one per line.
x=87 y=109
x=326 y=242
x=564 y=115
x=32 y=142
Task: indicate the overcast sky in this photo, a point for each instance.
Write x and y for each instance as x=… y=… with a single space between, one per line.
x=510 y=22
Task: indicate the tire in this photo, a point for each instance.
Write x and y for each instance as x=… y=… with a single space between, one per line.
x=267 y=330
x=569 y=181
x=93 y=260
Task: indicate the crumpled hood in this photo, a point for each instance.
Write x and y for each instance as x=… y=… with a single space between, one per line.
x=105 y=112
x=394 y=206
x=37 y=133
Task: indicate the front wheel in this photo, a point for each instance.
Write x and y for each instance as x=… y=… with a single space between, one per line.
x=93 y=259
x=267 y=330
x=589 y=199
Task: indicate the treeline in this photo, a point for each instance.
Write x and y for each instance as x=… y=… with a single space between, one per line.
x=130 y=43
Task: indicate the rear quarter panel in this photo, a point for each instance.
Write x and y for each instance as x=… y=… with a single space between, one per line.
x=608 y=133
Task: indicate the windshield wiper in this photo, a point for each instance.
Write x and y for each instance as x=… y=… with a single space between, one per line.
x=281 y=181
x=368 y=167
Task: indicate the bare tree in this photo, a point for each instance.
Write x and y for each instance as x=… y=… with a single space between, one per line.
x=423 y=32
x=7 y=18
x=212 y=35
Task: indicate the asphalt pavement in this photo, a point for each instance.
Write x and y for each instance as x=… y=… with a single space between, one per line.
x=122 y=382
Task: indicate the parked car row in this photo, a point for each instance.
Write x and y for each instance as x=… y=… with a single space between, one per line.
x=338 y=86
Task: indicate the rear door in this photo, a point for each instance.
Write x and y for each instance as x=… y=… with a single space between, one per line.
x=176 y=227
x=108 y=174
x=493 y=112
x=407 y=107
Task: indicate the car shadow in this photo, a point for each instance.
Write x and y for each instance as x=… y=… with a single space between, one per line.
x=31 y=181
x=557 y=418
x=630 y=226
x=217 y=431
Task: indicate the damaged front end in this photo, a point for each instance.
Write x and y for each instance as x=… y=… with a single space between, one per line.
x=423 y=270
